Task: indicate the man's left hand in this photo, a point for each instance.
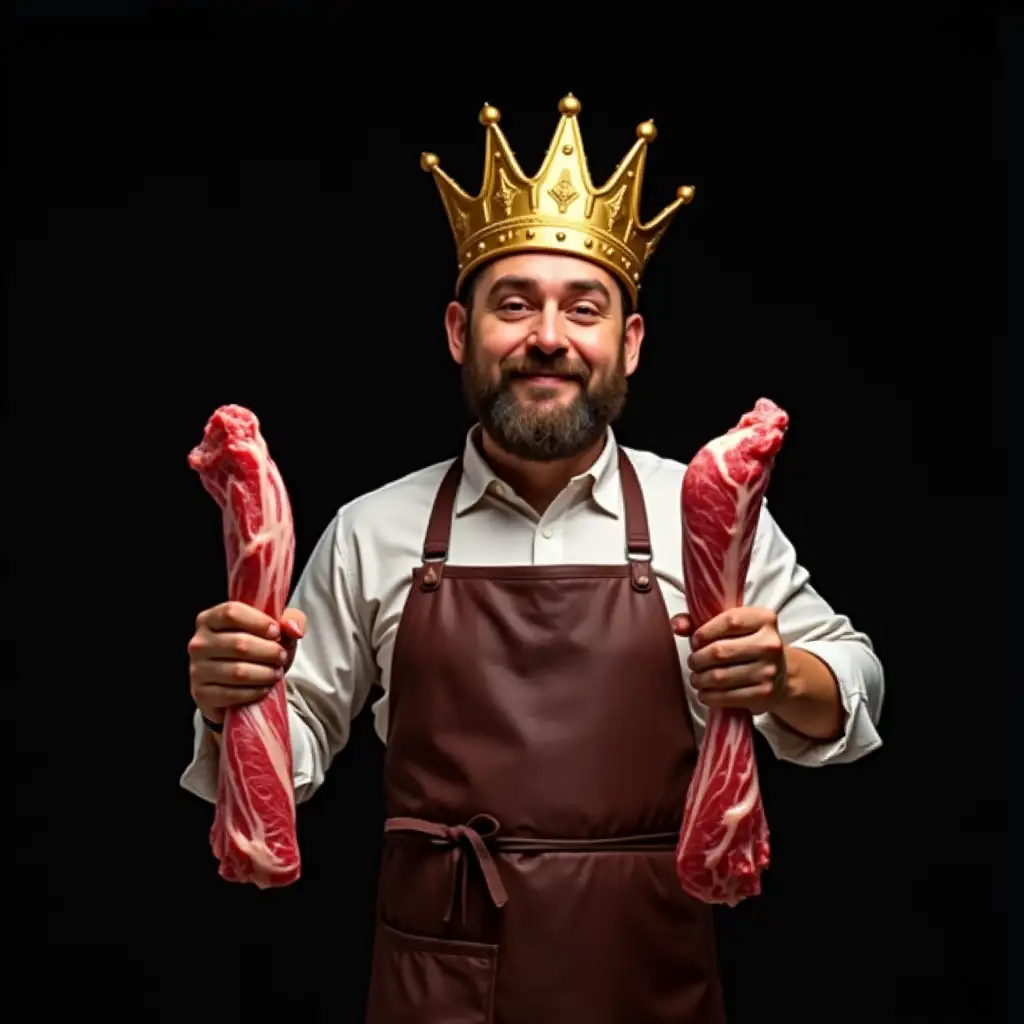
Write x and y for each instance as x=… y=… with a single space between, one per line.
x=738 y=659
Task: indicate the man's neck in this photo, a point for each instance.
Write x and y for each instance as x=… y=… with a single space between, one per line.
x=537 y=483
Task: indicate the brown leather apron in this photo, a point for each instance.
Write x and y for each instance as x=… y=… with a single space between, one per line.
x=539 y=751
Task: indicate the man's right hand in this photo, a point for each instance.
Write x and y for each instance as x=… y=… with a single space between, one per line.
x=238 y=653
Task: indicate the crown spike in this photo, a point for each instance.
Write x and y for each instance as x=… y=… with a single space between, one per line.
x=564 y=178
x=557 y=210
x=504 y=181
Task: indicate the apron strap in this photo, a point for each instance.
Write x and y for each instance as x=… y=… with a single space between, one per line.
x=462 y=839
x=439 y=529
x=638 y=536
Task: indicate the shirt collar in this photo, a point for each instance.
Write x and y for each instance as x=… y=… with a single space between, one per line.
x=478 y=477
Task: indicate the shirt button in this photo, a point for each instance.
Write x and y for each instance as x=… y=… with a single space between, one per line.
x=546 y=533
x=499 y=490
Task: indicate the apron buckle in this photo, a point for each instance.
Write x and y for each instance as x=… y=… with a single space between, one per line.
x=433 y=568
x=640 y=566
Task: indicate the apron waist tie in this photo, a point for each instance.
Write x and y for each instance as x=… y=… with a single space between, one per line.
x=461 y=839
x=483 y=828
x=647 y=842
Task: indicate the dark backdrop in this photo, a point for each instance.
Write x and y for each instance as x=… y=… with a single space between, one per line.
x=210 y=209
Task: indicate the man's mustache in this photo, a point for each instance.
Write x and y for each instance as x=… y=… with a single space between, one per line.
x=558 y=368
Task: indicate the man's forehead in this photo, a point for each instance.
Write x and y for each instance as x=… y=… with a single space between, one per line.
x=547 y=272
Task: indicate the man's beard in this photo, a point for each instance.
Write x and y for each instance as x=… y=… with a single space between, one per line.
x=549 y=431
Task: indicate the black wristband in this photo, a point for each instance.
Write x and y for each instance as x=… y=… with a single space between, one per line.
x=212 y=726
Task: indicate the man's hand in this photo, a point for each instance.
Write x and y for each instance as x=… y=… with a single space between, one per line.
x=738 y=659
x=237 y=654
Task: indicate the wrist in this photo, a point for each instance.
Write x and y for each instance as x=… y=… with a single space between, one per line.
x=810 y=702
x=795 y=687
x=212 y=718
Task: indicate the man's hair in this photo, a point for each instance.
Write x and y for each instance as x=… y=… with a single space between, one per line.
x=467 y=295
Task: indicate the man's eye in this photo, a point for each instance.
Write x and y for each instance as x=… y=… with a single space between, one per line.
x=585 y=310
x=513 y=307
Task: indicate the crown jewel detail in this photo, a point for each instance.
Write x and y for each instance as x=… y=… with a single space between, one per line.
x=559 y=209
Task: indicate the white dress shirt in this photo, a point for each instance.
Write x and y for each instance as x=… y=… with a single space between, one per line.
x=355 y=585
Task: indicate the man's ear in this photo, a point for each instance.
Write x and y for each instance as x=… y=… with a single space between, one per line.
x=455 y=324
x=633 y=337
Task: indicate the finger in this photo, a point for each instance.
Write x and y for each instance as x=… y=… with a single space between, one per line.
x=237 y=673
x=764 y=644
x=745 y=697
x=293 y=623
x=735 y=622
x=237 y=616
x=682 y=625
x=734 y=677
x=206 y=646
x=232 y=696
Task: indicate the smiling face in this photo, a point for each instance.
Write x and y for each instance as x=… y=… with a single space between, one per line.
x=545 y=348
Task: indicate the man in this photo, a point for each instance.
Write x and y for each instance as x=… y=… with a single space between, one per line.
x=541 y=719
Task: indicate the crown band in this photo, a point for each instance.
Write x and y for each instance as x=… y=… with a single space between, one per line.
x=534 y=234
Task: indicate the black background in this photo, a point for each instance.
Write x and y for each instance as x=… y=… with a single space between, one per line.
x=211 y=208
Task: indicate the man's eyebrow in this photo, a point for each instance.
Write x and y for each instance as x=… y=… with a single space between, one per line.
x=590 y=285
x=512 y=282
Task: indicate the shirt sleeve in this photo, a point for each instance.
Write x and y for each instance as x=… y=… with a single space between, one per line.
x=776 y=580
x=331 y=676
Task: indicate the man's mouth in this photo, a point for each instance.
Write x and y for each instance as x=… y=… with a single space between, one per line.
x=545 y=378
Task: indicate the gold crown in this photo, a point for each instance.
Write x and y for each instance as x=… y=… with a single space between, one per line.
x=558 y=210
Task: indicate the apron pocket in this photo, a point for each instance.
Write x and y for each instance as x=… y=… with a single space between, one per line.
x=418 y=978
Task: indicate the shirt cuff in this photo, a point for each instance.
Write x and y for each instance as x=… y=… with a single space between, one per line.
x=200 y=777
x=850 y=664
x=304 y=768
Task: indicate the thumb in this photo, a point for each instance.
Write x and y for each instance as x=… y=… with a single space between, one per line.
x=293 y=623
x=682 y=625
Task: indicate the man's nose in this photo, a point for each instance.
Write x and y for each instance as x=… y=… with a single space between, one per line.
x=549 y=336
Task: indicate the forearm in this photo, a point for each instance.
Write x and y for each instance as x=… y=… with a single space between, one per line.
x=811 y=705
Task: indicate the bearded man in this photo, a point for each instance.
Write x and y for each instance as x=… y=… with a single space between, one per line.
x=542 y=713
